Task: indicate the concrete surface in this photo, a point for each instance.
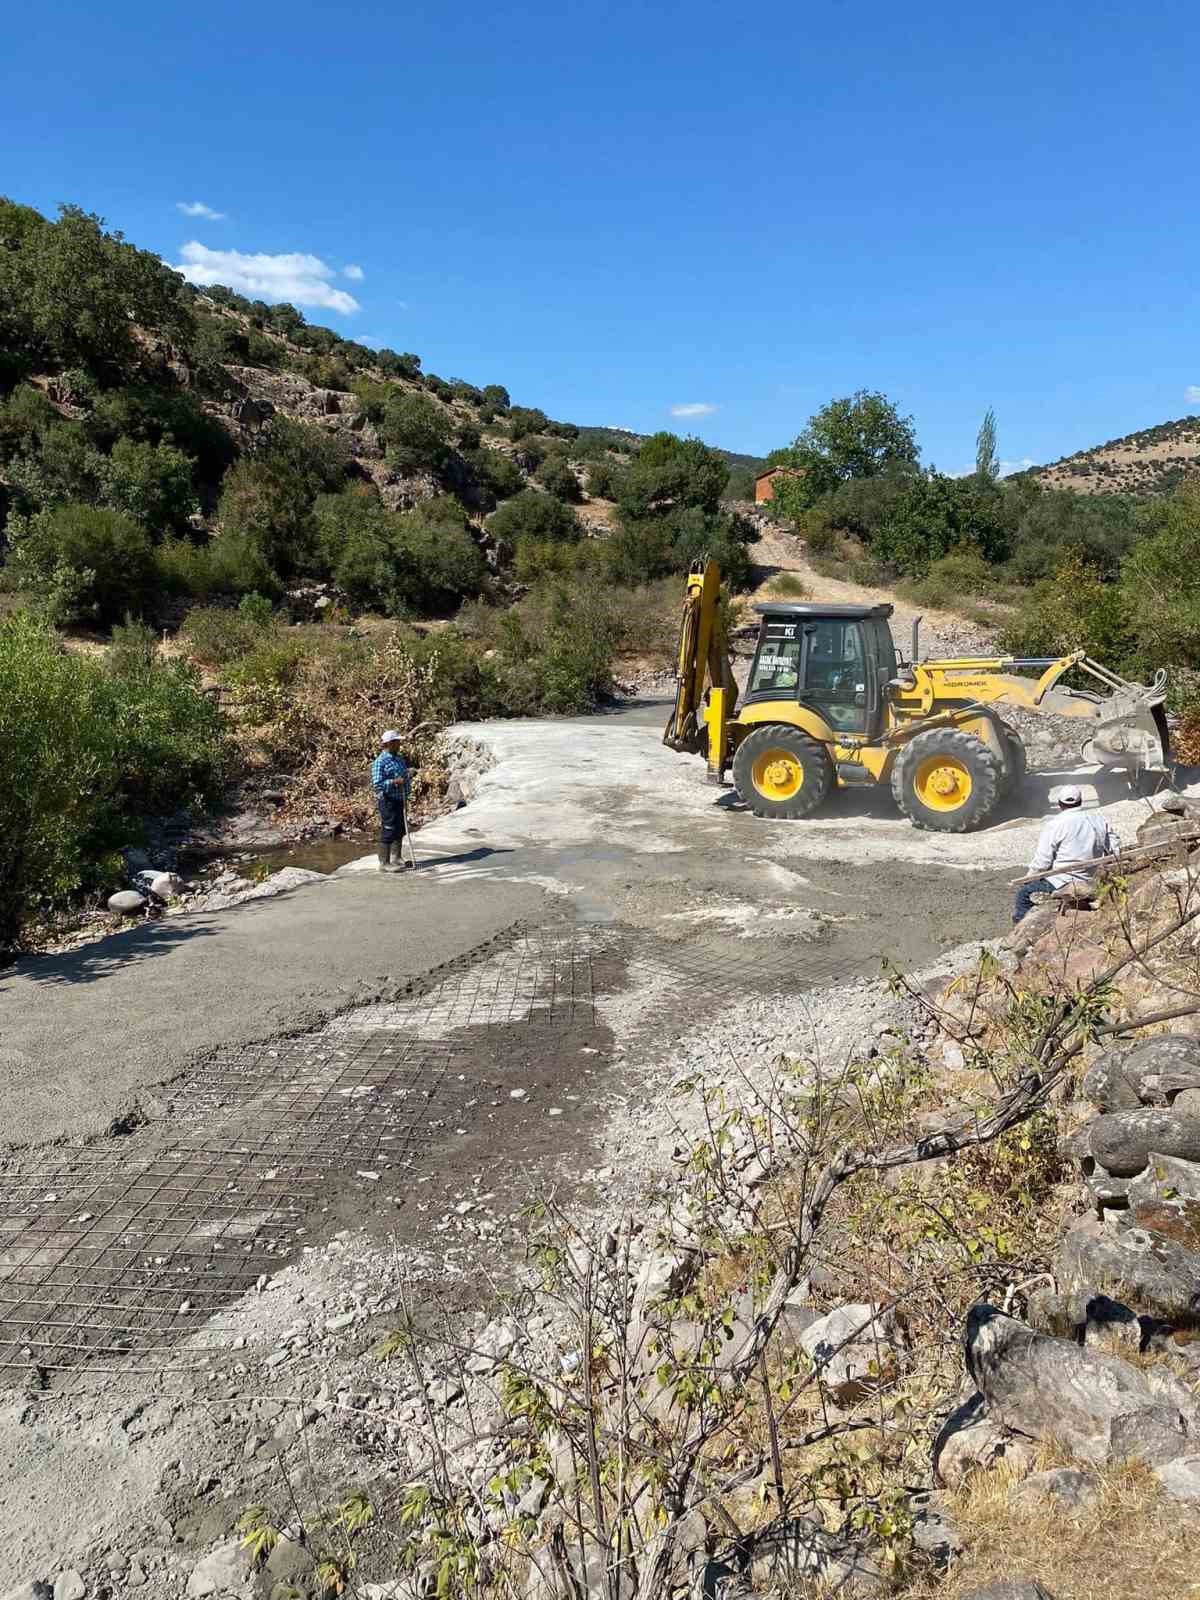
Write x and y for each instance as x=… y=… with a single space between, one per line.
x=83 y=1035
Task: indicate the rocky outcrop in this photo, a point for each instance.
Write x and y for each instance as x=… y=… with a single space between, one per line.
x=1052 y=1390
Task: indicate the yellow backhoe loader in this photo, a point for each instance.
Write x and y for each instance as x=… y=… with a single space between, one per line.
x=829 y=701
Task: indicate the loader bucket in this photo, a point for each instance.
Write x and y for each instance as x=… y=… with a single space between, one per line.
x=1132 y=730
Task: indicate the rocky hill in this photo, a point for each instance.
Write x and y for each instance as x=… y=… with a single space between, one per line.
x=1150 y=462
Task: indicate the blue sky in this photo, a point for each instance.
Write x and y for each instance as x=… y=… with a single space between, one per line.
x=618 y=211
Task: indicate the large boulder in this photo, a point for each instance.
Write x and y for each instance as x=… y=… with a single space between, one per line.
x=128 y=902
x=1121 y=1141
x=1152 y=1073
x=855 y=1348
x=1152 y=1273
x=1051 y=1389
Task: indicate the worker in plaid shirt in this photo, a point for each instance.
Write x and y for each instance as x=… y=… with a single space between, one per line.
x=391 y=782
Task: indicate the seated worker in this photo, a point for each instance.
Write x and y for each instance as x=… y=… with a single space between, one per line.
x=1074 y=837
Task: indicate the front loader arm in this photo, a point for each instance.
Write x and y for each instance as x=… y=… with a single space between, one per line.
x=1129 y=722
x=703 y=666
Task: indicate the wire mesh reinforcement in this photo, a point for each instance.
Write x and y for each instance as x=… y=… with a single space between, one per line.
x=111 y=1254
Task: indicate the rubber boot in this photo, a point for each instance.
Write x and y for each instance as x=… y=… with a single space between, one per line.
x=384 y=853
x=396 y=858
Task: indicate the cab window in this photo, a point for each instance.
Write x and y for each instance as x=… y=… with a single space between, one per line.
x=777 y=664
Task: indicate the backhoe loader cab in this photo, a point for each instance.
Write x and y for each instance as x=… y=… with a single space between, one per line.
x=828 y=703
x=837 y=659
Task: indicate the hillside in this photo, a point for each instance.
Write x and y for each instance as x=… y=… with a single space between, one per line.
x=1153 y=461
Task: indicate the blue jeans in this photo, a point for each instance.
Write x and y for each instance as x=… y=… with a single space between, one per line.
x=1025 y=896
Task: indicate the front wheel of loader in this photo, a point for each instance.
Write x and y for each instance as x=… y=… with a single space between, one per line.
x=947 y=781
x=780 y=772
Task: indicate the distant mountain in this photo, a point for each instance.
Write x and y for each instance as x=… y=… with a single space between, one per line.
x=1150 y=462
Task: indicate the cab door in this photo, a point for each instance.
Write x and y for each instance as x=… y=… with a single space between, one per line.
x=838 y=676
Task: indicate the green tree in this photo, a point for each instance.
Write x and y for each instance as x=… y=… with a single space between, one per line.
x=669 y=473
x=936 y=515
x=557 y=478
x=74 y=293
x=495 y=397
x=417 y=433
x=152 y=483
x=534 y=515
x=987 y=463
x=857 y=436
x=85 y=564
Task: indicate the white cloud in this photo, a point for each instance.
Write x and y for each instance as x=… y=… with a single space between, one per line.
x=355 y=274
x=1192 y=394
x=1007 y=468
x=197 y=208
x=303 y=280
x=697 y=409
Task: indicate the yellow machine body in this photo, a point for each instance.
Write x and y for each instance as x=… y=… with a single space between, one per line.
x=858 y=715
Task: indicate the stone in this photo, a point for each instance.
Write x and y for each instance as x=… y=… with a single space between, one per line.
x=127 y=901
x=223 y=1571
x=1154 y=1435
x=1165 y=1180
x=69 y=1586
x=167 y=886
x=289 y=1562
x=1121 y=1141
x=1121 y=1079
x=855 y=1350
x=1181 y=1477
x=1070 y=1487
x=491 y=1347
x=1153 y=1273
x=1051 y=1389
x=1107 y=1321
x=1011 y=1589
x=798 y=1550
x=934 y=1531
x=970 y=1441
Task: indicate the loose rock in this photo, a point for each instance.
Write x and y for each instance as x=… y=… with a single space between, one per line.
x=1122 y=1141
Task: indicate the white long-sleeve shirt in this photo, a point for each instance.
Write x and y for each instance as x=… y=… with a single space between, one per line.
x=1073 y=835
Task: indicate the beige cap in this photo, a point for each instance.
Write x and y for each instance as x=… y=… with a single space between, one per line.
x=390 y=737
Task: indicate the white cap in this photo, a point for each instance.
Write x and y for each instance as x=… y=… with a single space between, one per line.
x=1070 y=794
x=389 y=737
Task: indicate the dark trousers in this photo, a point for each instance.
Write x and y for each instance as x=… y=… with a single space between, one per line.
x=1025 y=896
x=393 y=824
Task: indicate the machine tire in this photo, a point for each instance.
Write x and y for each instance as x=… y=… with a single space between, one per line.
x=1016 y=763
x=791 y=755
x=947 y=781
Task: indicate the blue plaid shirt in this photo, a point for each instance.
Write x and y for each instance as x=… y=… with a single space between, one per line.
x=385 y=769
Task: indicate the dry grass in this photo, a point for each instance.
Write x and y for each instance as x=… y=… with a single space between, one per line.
x=1133 y=1542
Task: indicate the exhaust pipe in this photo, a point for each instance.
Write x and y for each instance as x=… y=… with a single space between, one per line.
x=916 y=637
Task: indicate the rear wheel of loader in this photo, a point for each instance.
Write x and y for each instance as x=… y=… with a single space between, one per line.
x=947 y=781
x=1015 y=762
x=780 y=772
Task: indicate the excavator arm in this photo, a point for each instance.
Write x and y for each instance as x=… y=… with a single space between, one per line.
x=699 y=724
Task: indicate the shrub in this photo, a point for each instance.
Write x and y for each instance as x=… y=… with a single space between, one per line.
x=604 y=479
x=954 y=578
x=86 y=750
x=669 y=473
x=417 y=433
x=534 y=515
x=422 y=561
x=441 y=562
x=217 y=636
x=497 y=472
x=658 y=546
x=557 y=478
x=152 y=483
x=85 y=563
x=537 y=559
x=231 y=564
x=936 y=514
x=495 y=397
x=524 y=420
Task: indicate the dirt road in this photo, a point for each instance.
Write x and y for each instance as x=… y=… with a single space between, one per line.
x=181 y=1302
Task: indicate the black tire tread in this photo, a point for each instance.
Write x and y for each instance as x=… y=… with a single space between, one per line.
x=818 y=771
x=987 y=780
